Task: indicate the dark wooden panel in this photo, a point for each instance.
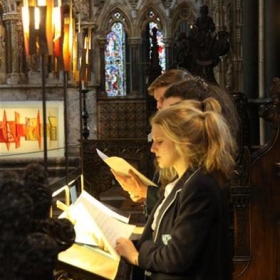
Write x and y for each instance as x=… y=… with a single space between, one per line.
x=121 y=119
x=264 y=182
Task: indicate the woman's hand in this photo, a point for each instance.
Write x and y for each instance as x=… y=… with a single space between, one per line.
x=127 y=250
x=133 y=185
x=136 y=198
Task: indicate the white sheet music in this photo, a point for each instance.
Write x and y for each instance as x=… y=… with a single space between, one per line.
x=93 y=221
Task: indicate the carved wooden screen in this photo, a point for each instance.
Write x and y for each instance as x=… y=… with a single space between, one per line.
x=121 y=119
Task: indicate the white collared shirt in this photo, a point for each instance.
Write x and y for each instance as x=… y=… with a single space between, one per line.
x=167 y=191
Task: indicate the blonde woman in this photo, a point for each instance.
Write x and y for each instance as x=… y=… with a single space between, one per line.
x=187 y=234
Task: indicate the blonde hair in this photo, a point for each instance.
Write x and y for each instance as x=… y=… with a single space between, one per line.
x=201 y=135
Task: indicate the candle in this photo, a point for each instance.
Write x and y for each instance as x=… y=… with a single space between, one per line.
x=83 y=84
x=89 y=38
x=79 y=24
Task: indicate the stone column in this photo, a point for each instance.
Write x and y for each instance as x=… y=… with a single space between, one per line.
x=135 y=66
x=102 y=42
x=13 y=47
x=238 y=58
x=168 y=51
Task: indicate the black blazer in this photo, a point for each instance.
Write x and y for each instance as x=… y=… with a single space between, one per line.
x=191 y=240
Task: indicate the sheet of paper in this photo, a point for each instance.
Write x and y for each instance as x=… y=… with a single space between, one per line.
x=91 y=260
x=121 y=166
x=94 y=224
x=85 y=227
x=102 y=155
x=104 y=208
x=110 y=226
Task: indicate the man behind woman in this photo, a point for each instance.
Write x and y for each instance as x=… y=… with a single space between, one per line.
x=172 y=87
x=187 y=234
x=133 y=185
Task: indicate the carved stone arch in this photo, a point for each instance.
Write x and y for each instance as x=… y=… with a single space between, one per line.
x=8 y=6
x=143 y=20
x=108 y=21
x=2 y=7
x=183 y=12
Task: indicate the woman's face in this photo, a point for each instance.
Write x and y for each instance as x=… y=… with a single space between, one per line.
x=163 y=148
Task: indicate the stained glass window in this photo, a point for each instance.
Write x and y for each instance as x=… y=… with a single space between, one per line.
x=161 y=48
x=115 y=75
x=115 y=52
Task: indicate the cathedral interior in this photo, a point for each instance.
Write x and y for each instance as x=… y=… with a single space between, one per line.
x=76 y=80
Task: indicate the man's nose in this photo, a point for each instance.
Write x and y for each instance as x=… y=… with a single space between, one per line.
x=159 y=105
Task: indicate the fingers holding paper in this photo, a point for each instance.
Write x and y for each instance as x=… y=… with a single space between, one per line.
x=127 y=250
x=136 y=198
x=133 y=185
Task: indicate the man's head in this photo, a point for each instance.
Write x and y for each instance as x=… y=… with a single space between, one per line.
x=161 y=83
x=197 y=89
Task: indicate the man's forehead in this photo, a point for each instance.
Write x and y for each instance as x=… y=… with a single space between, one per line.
x=171 y=101
x=159 y=92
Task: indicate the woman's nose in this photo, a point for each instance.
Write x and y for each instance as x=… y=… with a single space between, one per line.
x=153 y=147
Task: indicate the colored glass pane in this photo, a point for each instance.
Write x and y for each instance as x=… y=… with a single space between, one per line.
x=115 y=75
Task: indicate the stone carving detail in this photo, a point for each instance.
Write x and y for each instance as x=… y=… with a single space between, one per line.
x=200 y=51
x=135 y=41
x=166 y=3
x=133 y=3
